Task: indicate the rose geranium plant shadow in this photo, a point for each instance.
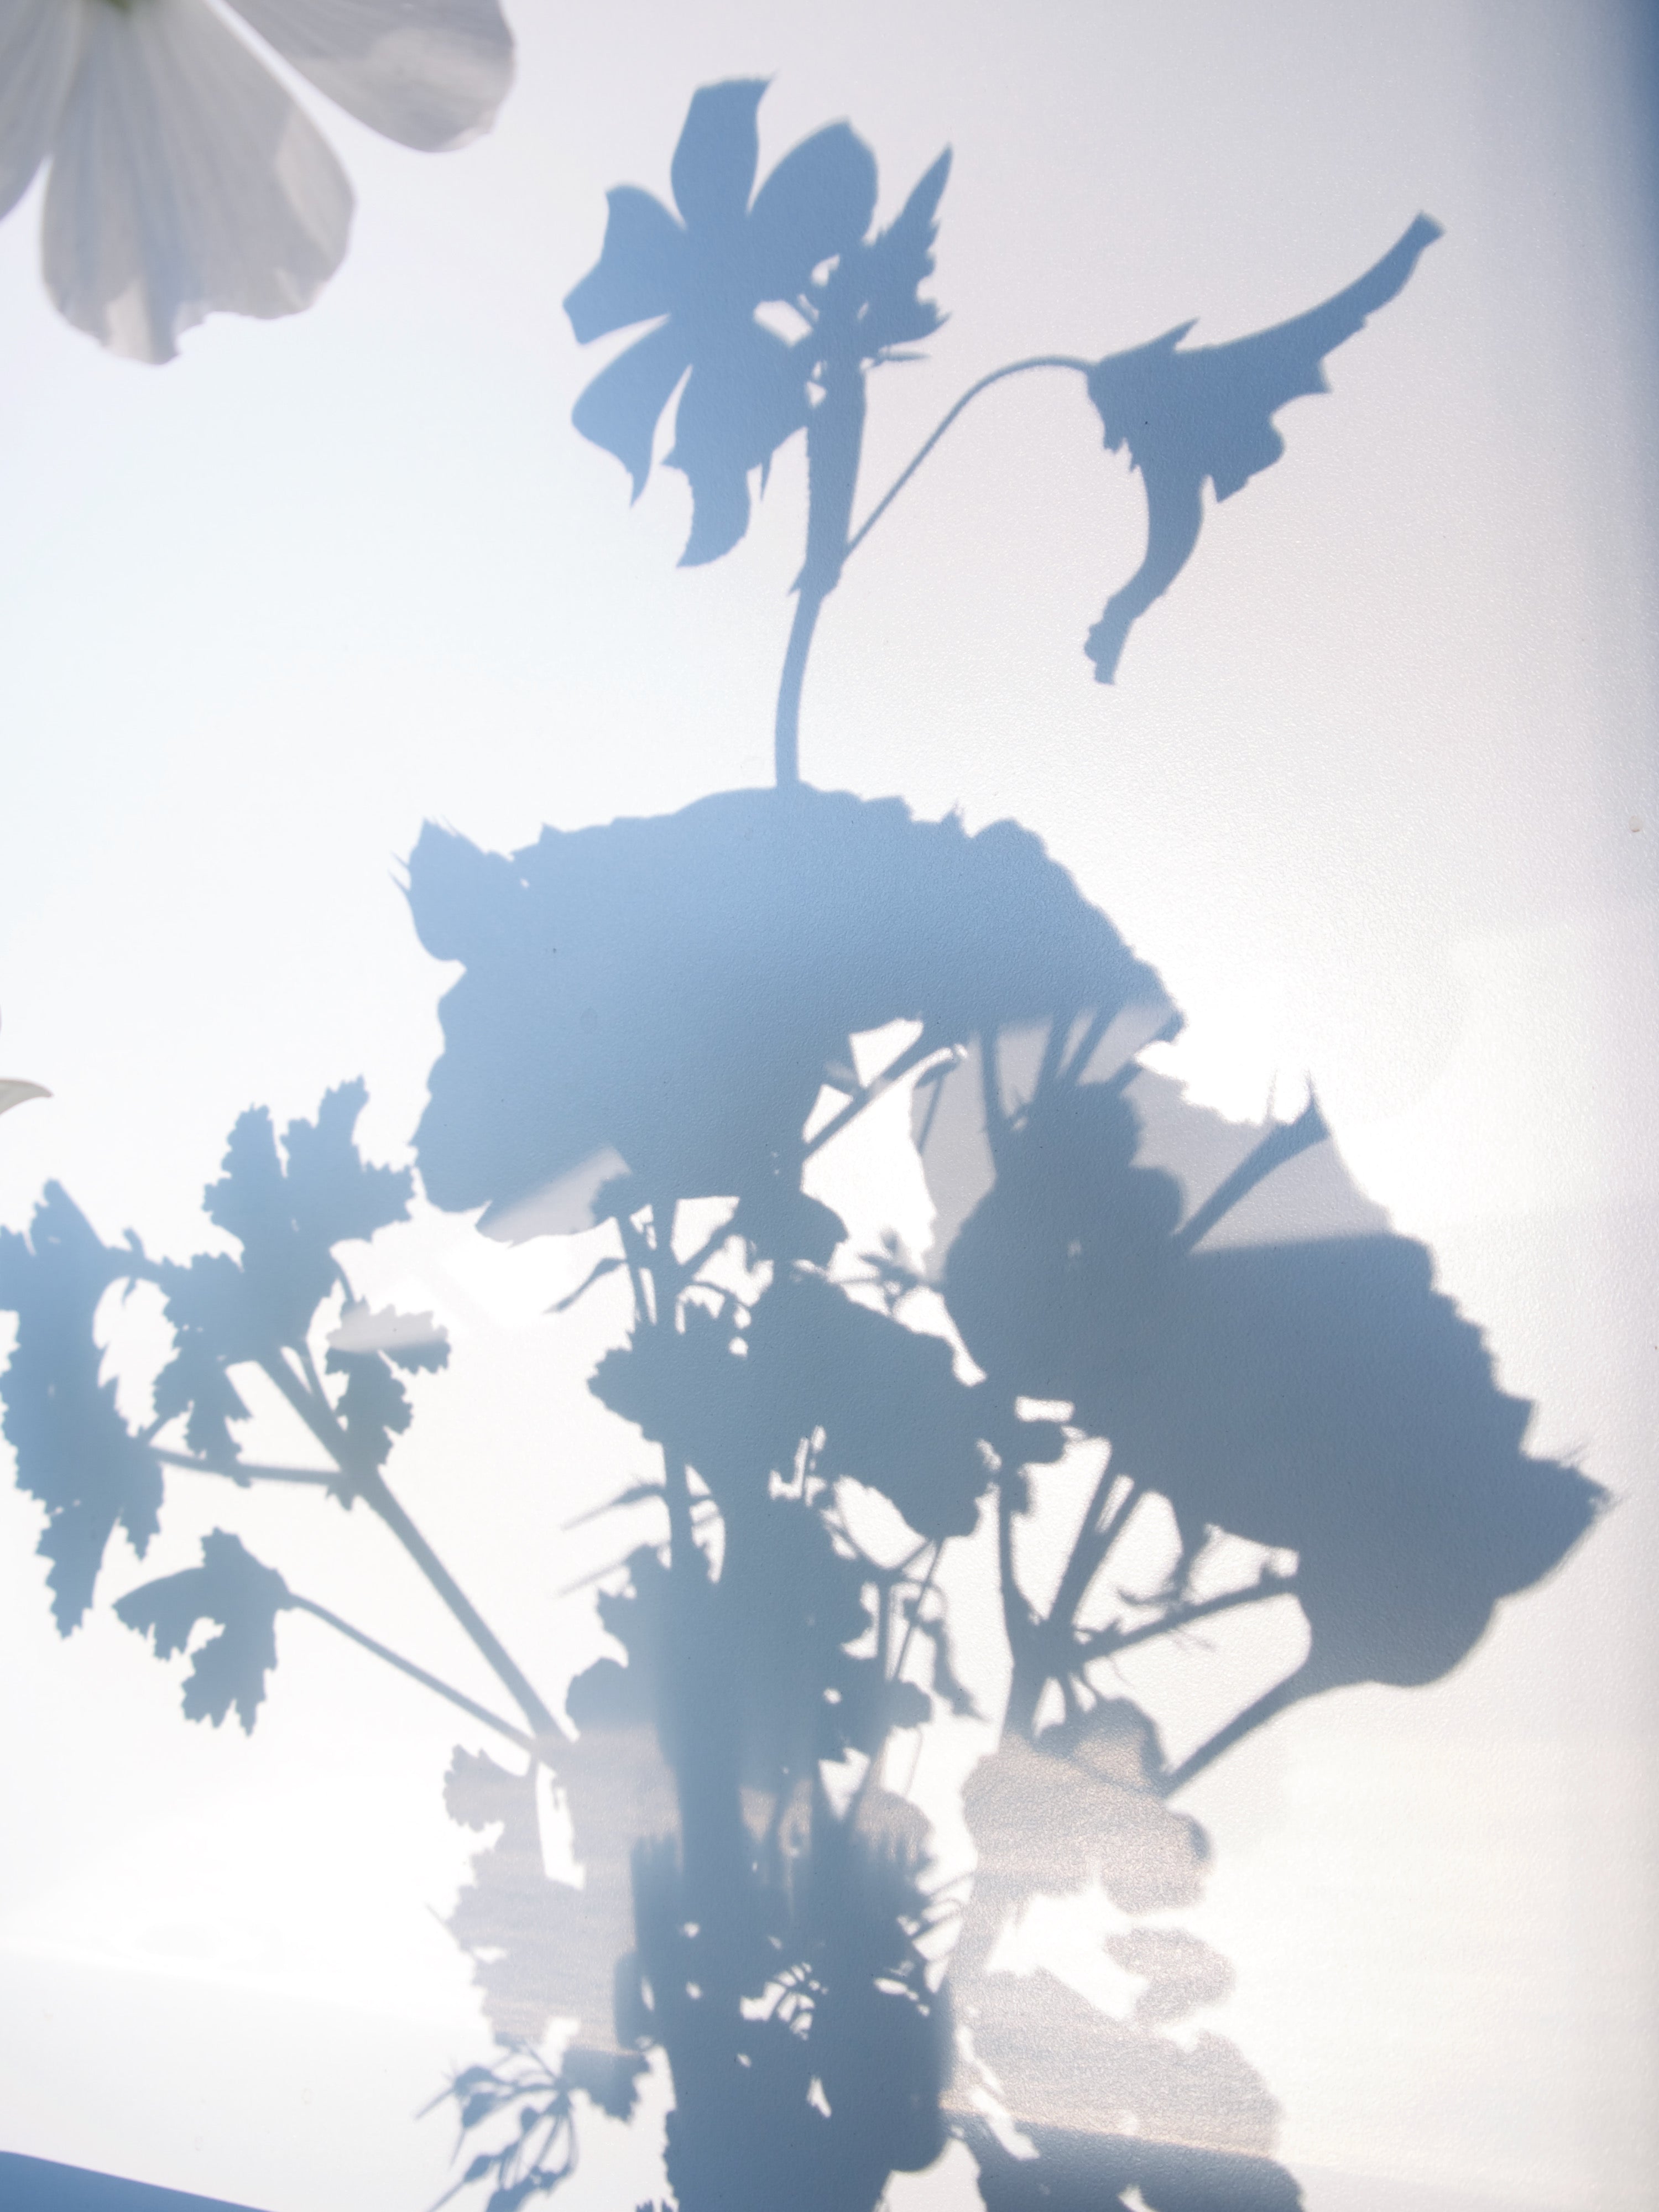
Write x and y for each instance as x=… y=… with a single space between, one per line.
x=662 y=1030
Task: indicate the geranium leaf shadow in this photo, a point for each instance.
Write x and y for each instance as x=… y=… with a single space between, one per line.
x=75 y=1452
x=1266 y=1353
x=243 y=1597
x=658 y=1011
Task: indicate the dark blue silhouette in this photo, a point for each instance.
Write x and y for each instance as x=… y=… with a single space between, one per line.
x=650 y=1012
x=728 y=952
x=1187 y=417
x=289 y=1291
x=1076 y=2172
x=706 y=275
x=658 y=1011
x=749 y=390
x=232 y=1588
x=40 y=2185
x=1206 y=414
x=1236 y=1373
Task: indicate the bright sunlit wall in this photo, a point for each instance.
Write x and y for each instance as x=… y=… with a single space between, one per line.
x=1375 y=790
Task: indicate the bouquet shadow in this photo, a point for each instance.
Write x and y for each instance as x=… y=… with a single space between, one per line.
x=661 y=1030
x=658 y=1017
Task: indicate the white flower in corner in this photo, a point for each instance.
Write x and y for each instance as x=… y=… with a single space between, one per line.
x=184 y=179
x=14 y=1093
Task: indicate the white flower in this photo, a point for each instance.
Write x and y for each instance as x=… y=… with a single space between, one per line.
x=184 y=178
x=14 y=1092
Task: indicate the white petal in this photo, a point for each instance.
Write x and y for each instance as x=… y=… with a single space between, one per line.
x=183 y=179
x=430 y=73
x=14 y=1092
x=39 y=40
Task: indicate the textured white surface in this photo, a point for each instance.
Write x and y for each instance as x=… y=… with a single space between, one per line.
x=1375 y=790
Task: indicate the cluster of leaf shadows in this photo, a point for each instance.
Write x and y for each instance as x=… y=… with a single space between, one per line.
x=654 y=1017
x=654 y=1039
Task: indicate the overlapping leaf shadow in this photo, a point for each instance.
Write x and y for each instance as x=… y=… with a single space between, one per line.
x=658 y=1016
x=660 y=1010
x=656 y=1029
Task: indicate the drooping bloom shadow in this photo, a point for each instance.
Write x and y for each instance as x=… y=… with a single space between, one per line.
x=1205 y=414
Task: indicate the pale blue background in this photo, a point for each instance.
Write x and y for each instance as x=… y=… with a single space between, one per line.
x=1375 y=791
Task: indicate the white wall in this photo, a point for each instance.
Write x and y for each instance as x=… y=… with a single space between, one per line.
x=1375 y=790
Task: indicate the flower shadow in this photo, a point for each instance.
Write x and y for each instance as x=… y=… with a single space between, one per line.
x=655 y=1011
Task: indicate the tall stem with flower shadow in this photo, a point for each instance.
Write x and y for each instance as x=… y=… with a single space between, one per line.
x=655 y=1035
